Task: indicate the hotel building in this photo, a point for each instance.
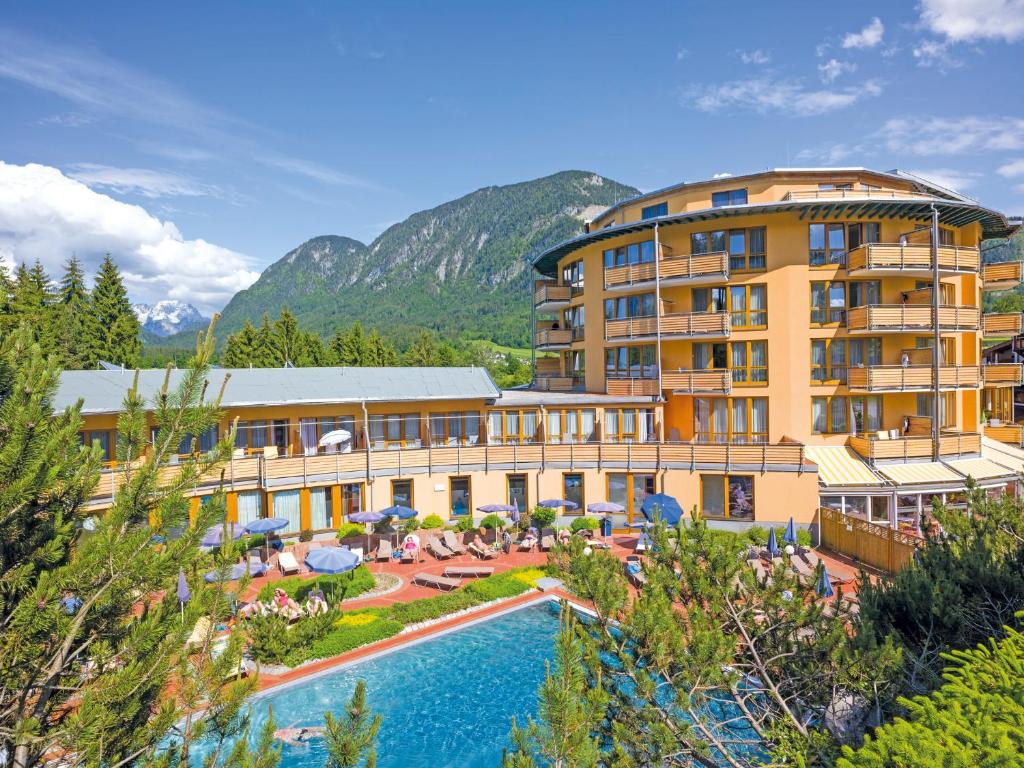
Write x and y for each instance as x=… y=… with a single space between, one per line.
x=757 y=346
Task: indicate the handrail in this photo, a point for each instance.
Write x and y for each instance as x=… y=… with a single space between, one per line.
x=911 y=317
x=670 y=268
x=912 y=377
x=913 y=256
x=853 y=194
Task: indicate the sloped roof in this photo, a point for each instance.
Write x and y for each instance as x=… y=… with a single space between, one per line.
x=103 y=391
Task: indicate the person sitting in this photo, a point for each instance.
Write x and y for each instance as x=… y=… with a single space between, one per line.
x=285 y=606
x=563 y=536
x=529 y=541
x=316 y=604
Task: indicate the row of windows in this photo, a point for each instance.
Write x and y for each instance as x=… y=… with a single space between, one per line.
x=623 y=307
x=747 y=305
x=830 y=299
x=621 y=425
x=747 y=360
x=634 y=362
x=634 y=253
x=831 y=358
x=746 y=247
x=730 y=420
x=842 y=415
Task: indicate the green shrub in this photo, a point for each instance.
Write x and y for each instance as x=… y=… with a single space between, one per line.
x=341 y=639
x=412 y=524
x=542 y=517
x=433 y=521
x=348 y=530
x=491 y=522
x=306 y=535
x=496 y=587
x=585 y=524
x=344 y=585
x=430 y=608
x=464 y=524
x=269 y=640
x=756 y=535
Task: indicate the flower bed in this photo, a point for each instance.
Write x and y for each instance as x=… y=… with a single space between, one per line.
x=350 y=585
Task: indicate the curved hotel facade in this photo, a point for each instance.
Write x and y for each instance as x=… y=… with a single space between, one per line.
x=757 y=346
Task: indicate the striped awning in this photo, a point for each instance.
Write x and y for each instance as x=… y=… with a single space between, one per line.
x=919 y=473
x=1003 y=454
x=839 y=466
x=980 y=469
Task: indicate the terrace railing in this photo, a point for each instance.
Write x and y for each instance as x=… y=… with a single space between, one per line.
x=878 y=546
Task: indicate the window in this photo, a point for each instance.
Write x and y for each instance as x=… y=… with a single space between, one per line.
x=727 y=496
x=206 y=442
x=572 y=490
x=250 y=506
x=833 y=415
x=862 y=233
x=828 y=302
x=946 y=236
x=830 y=187
x=459 y=499
x=320 y=513
x=395 y=430
x=729 y=197
x=748 y=360
x=629 y=425
x=865 y=292
x=457 y=428
x=516 y=488
x=573 y=319
x=571 y=425
x=401 y=493
x=947 y=408
x=637 y=362
x=747 y=305
x=251 y=435
x=634 y=253
x=730 y=419
x=830 y=358
x=623 y=307
x=746 y=247
x=629 y=491
x=654 y=211
x=286 y=505
x=512 y=427
x=352 y=498
x=827 y=245
x=105 y=439
x=572 y=275
x=577 y=363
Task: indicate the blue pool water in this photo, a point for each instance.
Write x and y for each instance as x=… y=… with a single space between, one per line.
x=447 y=701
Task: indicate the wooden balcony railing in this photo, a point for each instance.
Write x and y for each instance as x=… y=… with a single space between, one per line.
x=677 y=268
x=912 y=258
x=879 y=546
x=856 y=194
x=1002 y=374
x=1003 y=324
x=680 y=324
x=553 y=338
x=898 y=318
x=552 y=294
x=554 y=383
x=1011 y=434
x=1002 y=276
x=906 y=447
x=548 y=366
x=629 y=387
x=714 y=381
x=912 y=378
x=630 y=328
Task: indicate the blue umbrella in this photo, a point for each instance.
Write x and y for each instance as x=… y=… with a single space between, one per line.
x=331 y=560
x=773 y=543
x=267 y=524
x=601 y=507
x=366 y=517
x=402 y=513
x=644 y=524
x=237 y=571
x=495 y=508
x=183 y=592
x=556 y=503
x=790 y=535
x=214 y=535
x=664 y=506
x=824 y=585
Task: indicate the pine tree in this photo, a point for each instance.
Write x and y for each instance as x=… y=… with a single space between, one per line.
x=423 y=353
x=8 y=318
x=32 y=303
x=351 y=739
x=75 y=334
x=113 y=318
x=351 y=348
x=379 y=353
x=240 y=348
x=288 y=338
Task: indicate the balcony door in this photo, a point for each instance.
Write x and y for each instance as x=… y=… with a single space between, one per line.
x=629 y=490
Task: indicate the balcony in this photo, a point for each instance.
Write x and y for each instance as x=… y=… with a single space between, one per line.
x=698 y=382
x=551 y=297
x=909 y=318
x=951 y=444
x=856 y=194
x=673 y=270
x=912 y=378
x=1001 y=325
x=1011 y=434
x=674 y=325
x=1002 y=374
x=1002 y=276
x=911 y=260
x=631 y=387
x=553 y=383
x=552 y=339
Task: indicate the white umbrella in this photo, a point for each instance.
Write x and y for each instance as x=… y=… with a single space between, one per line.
x=336 y=437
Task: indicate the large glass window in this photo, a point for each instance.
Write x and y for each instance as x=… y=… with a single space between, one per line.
x=401 y=493
x=727 y=496
x=827 y=245
x=572 y=275
x=395 y=430
x=729 y=197
x=512 y=427
x=286 y=505
x=623 y=307
x=101 y=438
x=629 y=425
x=572 y=490
x=730 y=420
x=634 y=253
x=842 y=415
x=830 y=358
x=654 y=211
x=352 y=498
x=459 y=496
x=748 y=360
x=637 y=362
x=456 y=428
x=746 y=247
x=517 y=495
x=250 y=506
x=251 y=436
x=320 y=512
x=571 y=425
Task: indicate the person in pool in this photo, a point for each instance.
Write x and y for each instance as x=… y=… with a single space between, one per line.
x=297 y=736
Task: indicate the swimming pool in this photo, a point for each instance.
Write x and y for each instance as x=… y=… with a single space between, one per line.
x=445 y=701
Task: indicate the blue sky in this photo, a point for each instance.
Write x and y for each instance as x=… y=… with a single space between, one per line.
x=239 y=130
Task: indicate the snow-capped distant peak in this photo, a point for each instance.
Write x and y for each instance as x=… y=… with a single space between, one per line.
x=168 y=317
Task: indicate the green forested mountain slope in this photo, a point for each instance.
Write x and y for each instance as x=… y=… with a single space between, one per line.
x=995 y=251
x=460 y=269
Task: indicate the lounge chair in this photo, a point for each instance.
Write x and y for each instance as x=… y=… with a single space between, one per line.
x=760 y=572
x=526 y=544
x=482 y=552
x=287 y=563
x=811 y=557
x=439 y=550
x=803 y=571
x=468 y=571
x=547 y=542
x=384 y=550
x=634 y=571
x=256 y=566
x=437 y=582
x=409 y=554
x=452 y=542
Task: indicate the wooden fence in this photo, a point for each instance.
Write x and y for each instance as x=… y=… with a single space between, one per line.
x=878 y=546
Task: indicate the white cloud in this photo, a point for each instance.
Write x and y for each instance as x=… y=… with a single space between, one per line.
x=141 y=181
x=821 y=49
x=833 y=68
x=68 y=120
x=1012 y=169
x=868 y=37
x=722 y=175
x=935 y=53
x=764 y=94
x=833 y=154
x=755 y=57
x=970 y=20
x=958 y=181
x=925 y=136
x=47 y=216
x=682 y=53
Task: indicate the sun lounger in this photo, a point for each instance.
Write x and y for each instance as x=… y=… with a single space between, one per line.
x=439 y=550
x=409 y=555
x=803 y=571
x=811 y=557
x=452 y=542
x=526 y=544
x=760 y=572
x=547 y=542
x=256 y=566
x=468 y=571
x=634 y=571
x=437 y=582
x=384 y=550
x=482 y=553
x=287 y=563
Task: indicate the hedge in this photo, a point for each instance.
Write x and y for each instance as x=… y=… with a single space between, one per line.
x=349 y=584
x=585 y=524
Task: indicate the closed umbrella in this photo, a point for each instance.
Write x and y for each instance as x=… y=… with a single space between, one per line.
x=790 y=535
x=331 y=560
x=824 y=585
x=214 y=535
x=183 y=592
x=773 y=543
x=514 y=516
x=265 y=525
x=663 y=506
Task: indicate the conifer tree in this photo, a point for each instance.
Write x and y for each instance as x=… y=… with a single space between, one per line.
x=351 y=347
x=8 y=319
x=424 y=351
x=240 y=348
x=351 y=739
x=289 y=339
x=266 y=353
x=379 y=353
x=32 y=303
x=74 y=330
x=113 y=318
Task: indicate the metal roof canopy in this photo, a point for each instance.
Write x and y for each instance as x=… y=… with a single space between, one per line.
x=954 y=213
x=103 y=391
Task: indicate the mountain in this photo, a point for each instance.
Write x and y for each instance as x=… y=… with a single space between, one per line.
x=168 y=317
x=460 y=269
